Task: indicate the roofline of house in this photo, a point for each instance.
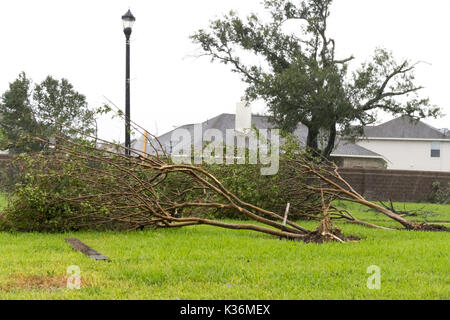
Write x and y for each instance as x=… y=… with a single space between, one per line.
x=404 y=139
x=357 y=156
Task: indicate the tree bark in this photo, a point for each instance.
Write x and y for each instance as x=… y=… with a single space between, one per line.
x=312 y=140
x=331 y=141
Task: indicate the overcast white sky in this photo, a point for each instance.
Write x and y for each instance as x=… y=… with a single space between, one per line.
x=82 y=40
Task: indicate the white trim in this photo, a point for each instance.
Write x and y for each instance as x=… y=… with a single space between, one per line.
x=402 y=139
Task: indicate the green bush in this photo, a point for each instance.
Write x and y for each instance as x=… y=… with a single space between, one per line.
x=440 y=194
x=10 y=175
x=35 y=203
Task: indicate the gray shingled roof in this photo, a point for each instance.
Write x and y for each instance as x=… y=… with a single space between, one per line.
x=346 y=148
x=227 y=121
x=404 y=127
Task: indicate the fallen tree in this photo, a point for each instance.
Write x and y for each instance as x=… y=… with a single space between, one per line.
x=91 y=184
x=75 y=185
x=324 y=177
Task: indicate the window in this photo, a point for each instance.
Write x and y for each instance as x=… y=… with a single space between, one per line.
x=435 y=149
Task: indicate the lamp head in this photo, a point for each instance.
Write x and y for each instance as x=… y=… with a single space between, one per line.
x=128 y=21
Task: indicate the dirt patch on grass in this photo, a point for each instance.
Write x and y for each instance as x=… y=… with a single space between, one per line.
x=433 y=227
x=318 y=237
x=326 y=232
x=40 y=283
x=427 y=228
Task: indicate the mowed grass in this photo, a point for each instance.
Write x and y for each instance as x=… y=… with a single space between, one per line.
x=210 y=263
x=420 y=212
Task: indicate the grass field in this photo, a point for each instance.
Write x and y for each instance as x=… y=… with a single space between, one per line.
x=210 y=263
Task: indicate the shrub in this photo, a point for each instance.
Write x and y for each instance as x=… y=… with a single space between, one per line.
x=10 y=173
x=35 y=203
x=440 y=194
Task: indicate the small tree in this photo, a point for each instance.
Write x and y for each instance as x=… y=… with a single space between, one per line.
x=62 y=111
x=16 y=116
x=53 y=108
x=301 y=78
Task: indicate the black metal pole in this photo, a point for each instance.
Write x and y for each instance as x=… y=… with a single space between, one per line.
x=127 y=94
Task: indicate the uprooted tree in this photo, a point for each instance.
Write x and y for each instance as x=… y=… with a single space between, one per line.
x=75 y=185
x=323 y=177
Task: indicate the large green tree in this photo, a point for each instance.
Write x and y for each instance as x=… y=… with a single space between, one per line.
x=51 y=108
x=302 y=80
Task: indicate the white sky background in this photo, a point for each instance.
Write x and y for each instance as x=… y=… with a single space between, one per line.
x=83 y=41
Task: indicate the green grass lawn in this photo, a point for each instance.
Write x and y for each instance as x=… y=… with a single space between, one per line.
x=209 y=263
x=427 y=213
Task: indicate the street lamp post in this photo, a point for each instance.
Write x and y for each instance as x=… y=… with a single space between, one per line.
x=128 y=21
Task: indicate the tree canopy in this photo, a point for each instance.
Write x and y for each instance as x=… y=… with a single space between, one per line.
x=51 y=108
x=302 y=80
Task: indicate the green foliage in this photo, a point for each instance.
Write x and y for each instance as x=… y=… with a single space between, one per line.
x=28 y=211
x=36 y=202
x=51 y=108
x=10 y=175
x=249 y=185
x=440 y=194
x=17 y=116
x=271 y=192
x=61 y=110
x=55 y=191
x=301 y=78
x=2 y=138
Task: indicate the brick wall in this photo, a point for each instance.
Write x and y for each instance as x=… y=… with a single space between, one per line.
x=362 y=163
x=410 y=186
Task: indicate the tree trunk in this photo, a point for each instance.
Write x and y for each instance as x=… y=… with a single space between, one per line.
x=313 y=138
x=331 y=141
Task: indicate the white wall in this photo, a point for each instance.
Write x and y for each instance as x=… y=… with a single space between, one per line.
x=410 y=155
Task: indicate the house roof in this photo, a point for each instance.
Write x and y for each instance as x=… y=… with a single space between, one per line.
x=400 y=128
x=348 y=149
x=404 y=128
x=226 y=121
x=223 y=122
